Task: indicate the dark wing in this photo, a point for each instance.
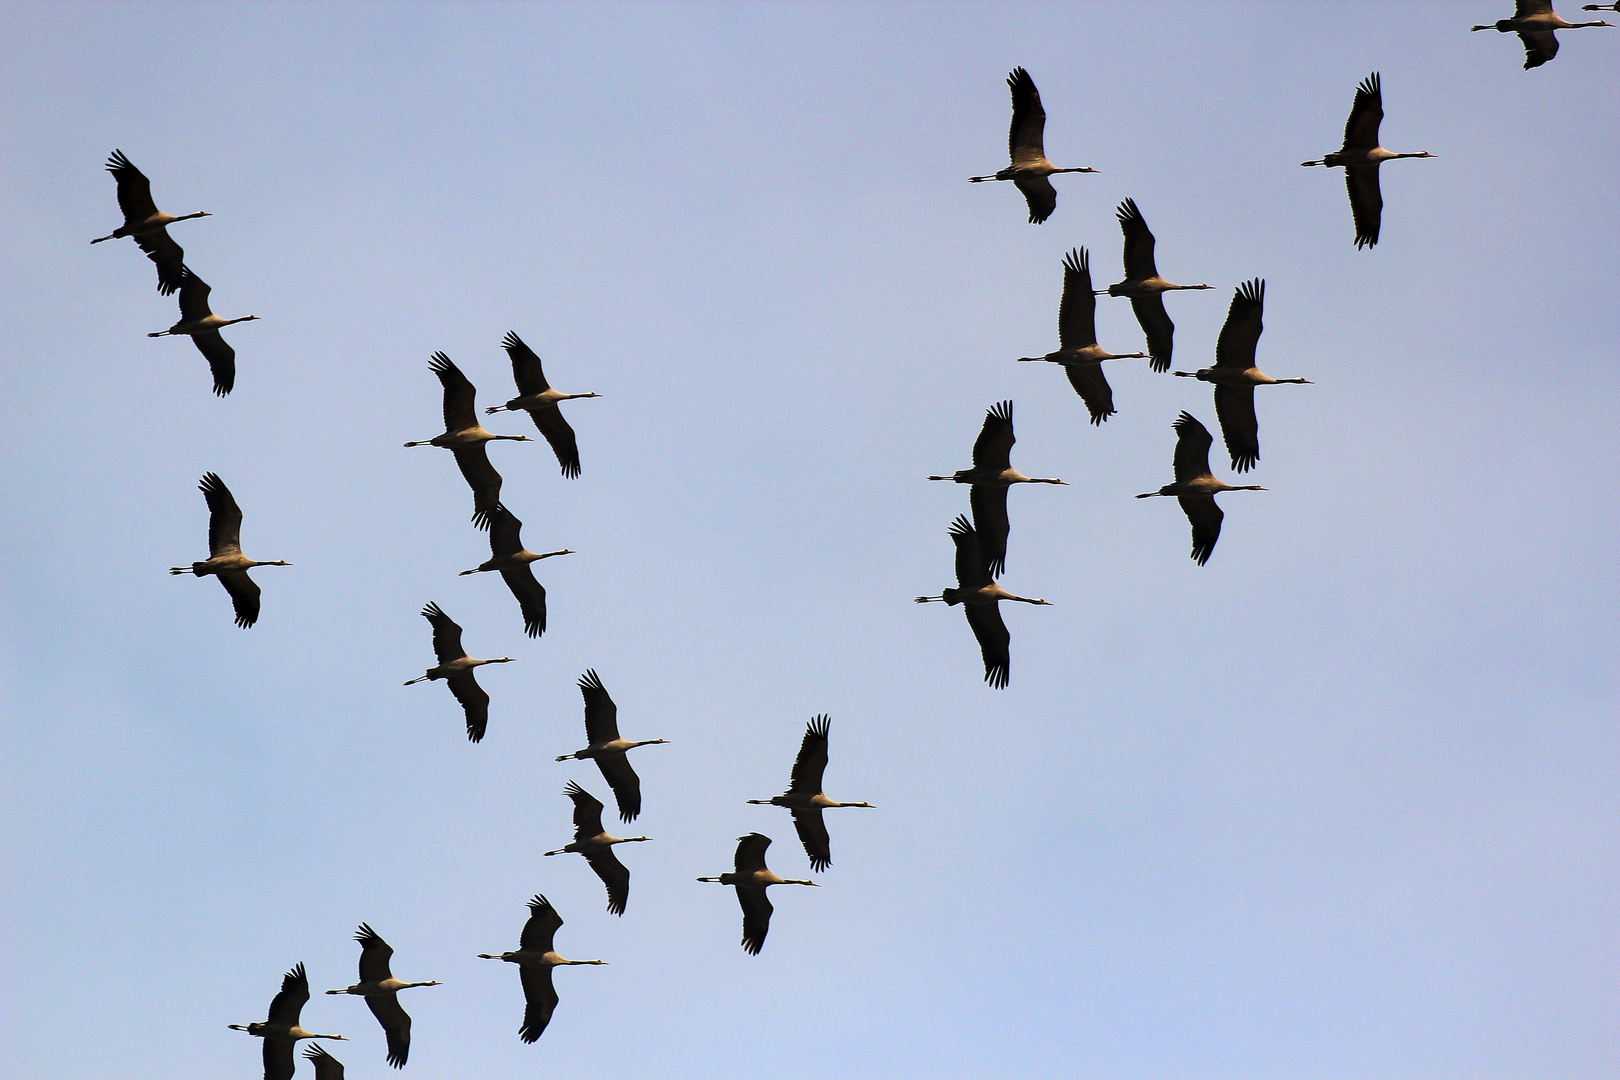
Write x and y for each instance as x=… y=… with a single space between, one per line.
x=1240 y=336
x=1077 y=314
x=812 y=832
x=460 y=410
x=540 y=1001
x=396 y=1022
x=221 y=360
x=587 y=812
x=969 y=563
x=560 y=434
x=1540 y=46
x=626 y=785
x=993 y=448
x=134 y=193
x=541 y=929
x=224 y=517
x=1366 y=202
x=1192 y=448
x=1158 y=328
x=1039 y=194
x=1523 y=9
x=1091 y=384
x=374 y=955
x=1026 y=139
x=526 y=370
x=482 y=478
x=812 y=759
x=327 y=1067
x=286 y=1006
x=474 y=703
x=194 y=293
x=168 y=256
x=531 y=597
x=1205 y=517
x=989 y=502
x=1139 y=242
x=446 y=634
x=1361 y=130
x=505 y=532
x=244 y=596
x=756 y=909
x=1234 y=407
x=615 y=876
x=994 y=641
x=751 y=852
x=601 y=715
x=278 y=1059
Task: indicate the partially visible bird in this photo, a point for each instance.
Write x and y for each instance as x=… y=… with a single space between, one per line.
x=992 y=474
x=594 y=842
x=1361 y=155
x=512 y=559
x=1078 y=350
x=465 y=437
x=280 y=1030
x=979 y=596
x=1534 y=21
x=1235 y=375
x=146 y=224
x=1026 y=145
x=1195 y=488
x=607 y=748
x=539 y=400
x=198 y=322
x=751 y=879
x=327 y=1067
x=225 y=559
x=1145 y=287
x=456 y=668
x=381 y=991
x=804 y=797
x=535 y=958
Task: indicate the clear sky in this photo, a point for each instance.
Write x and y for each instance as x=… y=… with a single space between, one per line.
x=1340 y=804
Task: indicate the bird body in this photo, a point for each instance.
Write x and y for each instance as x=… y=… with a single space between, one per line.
x=1082 y=358
x=456 y=668
x=465 y=437
x=146 y=224
x=512 y=561
x=281 y=1030
x=1026 y=146
x=1360 y=156
x=198 y=322
x=1145 y=287
x=608 y=748
x=378 y=986
x=536 y=957
x=751 y=877
x=1195 y=488
x=981 y=597
x=539 y=399
x=225 y=559
x=1535 y=22
x=805 y=798
x=596 y=844
x=992 y=474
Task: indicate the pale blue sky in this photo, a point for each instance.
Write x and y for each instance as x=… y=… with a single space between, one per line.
x=1340 y=804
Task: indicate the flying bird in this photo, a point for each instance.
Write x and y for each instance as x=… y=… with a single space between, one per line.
x=805 y=799
x=381 y=991
x=465 y=437
x=456 y=668
x=979 y=596
x=535 y=958
x=1361 y=155
x=1534 y=21
x=1026 y=144
x=1235 y=375
x=608 y=748
x=593 y=842
x=225 y=559
x=1195 y=488
x=992 y=474
x=280 y=1030
x=1078 y=350
x=539 y=400
x=752 y=878
x=512 y=559
x=146 y=224
x=327 y=1067
x=198 y=322
x=1145 y=287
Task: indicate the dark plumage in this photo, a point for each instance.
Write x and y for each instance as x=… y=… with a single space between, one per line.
x=980 y=598
x=539 y=400
x=381 y=991
x=608 y=748
x=457 y=669
x=225 y=559
x=751 y=878
x=1361 y=156
x=1082 y=358
x=535 y=958
x=146 y=224
x=1026 y=146
x=804 y=797
x=280 y=1030
x=512 y=560
x=1195 y=488
x=596 y=844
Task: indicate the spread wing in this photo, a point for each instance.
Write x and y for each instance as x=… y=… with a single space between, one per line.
x=625 y=783
x=224 y=518
x=1091 y=384
x=327 y=1067
x=168 y=256
x=601 y=715
x=751 y=853
x=812 y=760
x=994 y=641
x=531 y=597
x=1234 y=407
x=1240 y=335
x=1139 y=242
x=244 y=596
x=1540 y=46
x=134 y=194
x=474 y=703
x=288 y=1003
x=1361 y=130
x=812 y=832
x=278 y=1059
x=756 y=909
x=541 y=929
x=993 y=448
x=221 y=359
x=1192 y=448
x=482 y=478
x=1523 y=9
x=560 y=434
x=1026 y=138
x=1157 y=327
x=1077 y=314
x=540 y=1001
x=1039 y=194
x=1366 y=202
x=615 y=876
x=396 y=1023
x=446 y=634
x=989 y=502
x=527 y=371
x=460 y=409
x=1205 y=517
x=970 y=572
x=374 y=955
x=587 y=812
x=194 y=293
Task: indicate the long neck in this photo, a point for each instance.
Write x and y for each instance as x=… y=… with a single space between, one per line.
x=188 y=217
x=233 y=322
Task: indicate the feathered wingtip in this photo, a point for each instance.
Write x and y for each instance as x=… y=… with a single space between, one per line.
x=366 y=935
x=211 y=484
x=961 y=526
x=439 y=364
x=538 y=904
x=819 y=726
x=117 y=163
x=1371 y=86
x=1187 y=422
x=512 y=341
x=1127 y=212
x=315 y=1052
x=1019 y=80
x=294 y=976
x=1002 y=410
x=590 y=681
x=433 y=611
x=574 y=789
x=1078 y=260
x=1251 y=293
x=996 y=676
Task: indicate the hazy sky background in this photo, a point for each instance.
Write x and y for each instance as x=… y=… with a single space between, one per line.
x=1340 y=804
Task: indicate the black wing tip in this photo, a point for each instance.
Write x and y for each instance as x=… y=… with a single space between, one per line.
x=996 y=676
x=397 y=1060
x=1001 y=410
x=244 y=622
x=1158 y=365
x=118 y=162
x=1078 y=260
x=819 y=865
x=295 y=974
x=819 y=725
x=1365 y=241
x=960 y=526
x=530 y=1035
x=1188 y=422
x=539 y=903
x=615 y=907
x=570 y=470
x=1244 y=462
x=439 y=363
x=316 y=1052
x=1018 y=77
x=591 y=680
x=533 y=628
x=433 y=611
x=211 y=483
x=573 y=790
x=512 y=341
x=1202 y=552
x=1127 y=212
x=1372 y=86
x=1253 y=291
x=996 y=568
x=366 y=934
